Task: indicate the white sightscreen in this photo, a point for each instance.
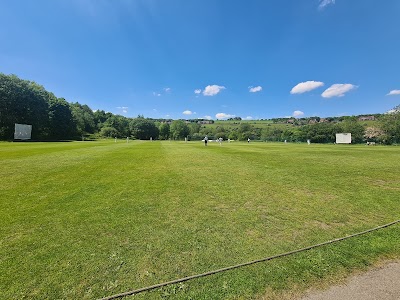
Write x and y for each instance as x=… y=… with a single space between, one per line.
x=343 y=138
x=22 y=132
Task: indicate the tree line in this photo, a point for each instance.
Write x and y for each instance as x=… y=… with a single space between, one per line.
x=52 y=118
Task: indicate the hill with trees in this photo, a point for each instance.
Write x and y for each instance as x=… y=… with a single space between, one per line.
x=52 y=118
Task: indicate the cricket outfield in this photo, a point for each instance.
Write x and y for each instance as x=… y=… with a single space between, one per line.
x=84 y=220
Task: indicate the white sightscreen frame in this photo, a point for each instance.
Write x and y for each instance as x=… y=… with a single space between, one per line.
x=343 y=138
x=22 y=132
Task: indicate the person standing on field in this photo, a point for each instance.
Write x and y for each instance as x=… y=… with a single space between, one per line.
x=205 y=140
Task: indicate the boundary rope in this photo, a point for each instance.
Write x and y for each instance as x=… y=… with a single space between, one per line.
x=137 y=291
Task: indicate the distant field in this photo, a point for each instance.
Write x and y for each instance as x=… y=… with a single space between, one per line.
x=84 y=220
x=254 y=123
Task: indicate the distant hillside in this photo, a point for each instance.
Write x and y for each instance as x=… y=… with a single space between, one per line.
x=52 y=118
x=394 y=110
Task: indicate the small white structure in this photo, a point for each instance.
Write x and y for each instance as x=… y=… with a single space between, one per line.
x=343 y=138
x=22 y=132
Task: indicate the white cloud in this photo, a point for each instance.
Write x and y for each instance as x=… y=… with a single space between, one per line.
x=338 y=90
x=187 y=112
x=298 y=113
x=123 y=109
x=255 y=89
x=324 y=3
x=156 y=94
x=393 y=92
x=207 y=117
x=212 y=90
x=167 y=90
x=307 y=86
x=198 y=91
x=224 y=116
x=249 y=118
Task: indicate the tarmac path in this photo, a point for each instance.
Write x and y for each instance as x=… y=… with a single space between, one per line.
x=381 y=283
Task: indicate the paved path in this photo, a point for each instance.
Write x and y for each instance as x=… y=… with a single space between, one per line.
x=381 y=283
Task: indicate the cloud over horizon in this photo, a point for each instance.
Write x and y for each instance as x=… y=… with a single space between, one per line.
x=212 y=90
x=298 y=113
x=188 y=112
x=338 y=90
x=306 y=86
x=123 y=109
x=393 y=92
x=224 y=116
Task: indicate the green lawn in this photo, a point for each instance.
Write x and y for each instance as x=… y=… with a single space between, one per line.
x=84 y=220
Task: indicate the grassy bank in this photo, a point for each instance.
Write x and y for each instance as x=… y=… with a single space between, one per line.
x=84 y=220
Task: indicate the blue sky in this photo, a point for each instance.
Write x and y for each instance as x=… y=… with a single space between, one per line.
x=209 y=58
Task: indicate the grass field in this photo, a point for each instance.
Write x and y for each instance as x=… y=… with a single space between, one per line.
x=84 y=220
x=229 y=125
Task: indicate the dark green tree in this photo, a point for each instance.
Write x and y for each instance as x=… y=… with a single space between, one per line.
x=24 y=102
x=179 y=129
x=143 y=129
x=120 y=123
x=100 y=117
x=271 y=133
x=194 y=127
x=164 y=131
x=353 y=127
x=84 y=119
x=390 y=124
x=108 y=131
x=61 y=121
x=319 y=133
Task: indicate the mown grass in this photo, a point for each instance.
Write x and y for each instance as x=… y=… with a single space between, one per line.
x=84 y=220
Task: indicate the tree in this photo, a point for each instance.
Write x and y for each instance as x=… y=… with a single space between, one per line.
x=108 y=131
x=209 y=131
x=245 y=127
x=179 y=129
x=164 y=131
x=233 y=135
x=353 y=127
x=62 y=125
x=143 y=129
x=100 y=117
x=373 y=134
x=271 y=133
x=84 y=119
x=24 y=102
x=390 y=124
x=319 y=133
x=194 y=127
x=120 y=123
